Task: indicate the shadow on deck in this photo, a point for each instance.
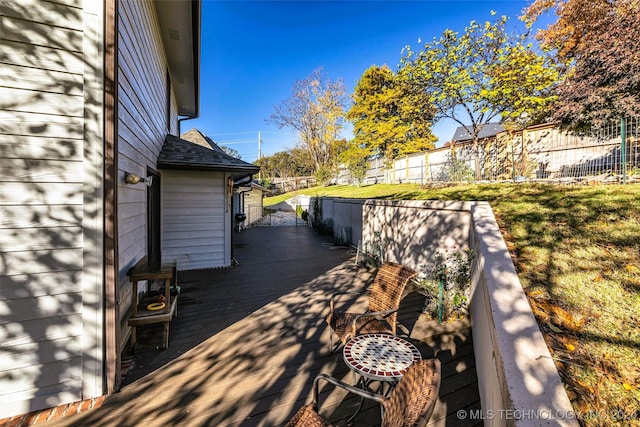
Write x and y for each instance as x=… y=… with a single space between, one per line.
x=249 y=340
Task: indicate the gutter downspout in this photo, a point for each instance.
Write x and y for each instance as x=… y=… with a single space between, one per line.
x=243 y=180
x=182 y=120
x=246 y=180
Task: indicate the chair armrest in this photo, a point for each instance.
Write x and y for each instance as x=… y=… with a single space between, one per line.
x=350 y=388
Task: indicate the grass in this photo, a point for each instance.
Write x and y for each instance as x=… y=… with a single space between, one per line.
x=577 y=253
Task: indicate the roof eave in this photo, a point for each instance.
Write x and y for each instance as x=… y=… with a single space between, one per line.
x=180 y=24
x=201 y=167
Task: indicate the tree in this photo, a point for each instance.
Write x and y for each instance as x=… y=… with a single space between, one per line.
x=386 y=118
x=302 y=160
x=316 y=110
x=294 y=162
x=230 y=152
x=482 y=74
x=355 y=159
x=598 y=42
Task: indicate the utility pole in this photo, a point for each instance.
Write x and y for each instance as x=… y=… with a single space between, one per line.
x=259 y=157
x=259 y=146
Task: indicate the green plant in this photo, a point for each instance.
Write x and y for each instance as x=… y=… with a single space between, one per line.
x=316 y=215
x=447 y=284
x=302 y=213
x=373 y=250
x=323 y=175
x=460 y=171
x=524 y=167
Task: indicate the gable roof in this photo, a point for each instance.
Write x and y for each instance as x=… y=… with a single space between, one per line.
x=195 y=151
x=487 y=131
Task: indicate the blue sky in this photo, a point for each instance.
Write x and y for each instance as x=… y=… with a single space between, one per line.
x=253 y=51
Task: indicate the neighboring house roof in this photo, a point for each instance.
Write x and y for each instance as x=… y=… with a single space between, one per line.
x=195 y=151
x=256 y=186
x=487 y=131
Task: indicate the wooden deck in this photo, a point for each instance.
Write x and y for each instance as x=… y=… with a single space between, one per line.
x=248 y=341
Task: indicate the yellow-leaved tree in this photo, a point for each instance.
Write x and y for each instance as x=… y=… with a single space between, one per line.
x=387 y=119
x=316 y=111
x=482 y=74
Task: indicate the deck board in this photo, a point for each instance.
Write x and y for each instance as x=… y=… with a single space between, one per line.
x=248 y=341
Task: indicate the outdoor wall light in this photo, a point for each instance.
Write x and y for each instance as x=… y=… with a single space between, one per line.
x=132 y=178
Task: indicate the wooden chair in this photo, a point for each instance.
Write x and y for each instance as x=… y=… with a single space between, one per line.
x=385 y=294
x=410 y=403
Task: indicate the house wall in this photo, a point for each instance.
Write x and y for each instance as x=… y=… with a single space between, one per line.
x=142 y=128
x=253 y=204
x=195 y=225
x=50 y=203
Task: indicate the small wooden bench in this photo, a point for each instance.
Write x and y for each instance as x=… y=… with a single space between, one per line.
x=140 y=314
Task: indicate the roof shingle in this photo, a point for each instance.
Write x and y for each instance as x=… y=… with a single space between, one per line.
x=195 y=151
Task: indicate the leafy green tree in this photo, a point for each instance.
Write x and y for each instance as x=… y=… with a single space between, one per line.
x=282 y=164
x=355 y=159
x=482 y=74
x=302 y=160
x=525 y=83
x=386 y=118
x=597 y=41
x=294 y=162
x=316 y=110
x=323 y=175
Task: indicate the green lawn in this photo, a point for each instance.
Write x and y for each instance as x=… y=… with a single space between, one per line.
x=577 y=252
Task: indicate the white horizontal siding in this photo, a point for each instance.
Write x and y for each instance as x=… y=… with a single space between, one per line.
x=21 y=379
x=37 y=331
x=17 y=216
x=193 y=219
x=191 y=236
x=42 y=34
x=43 y=307
x=141 y=121
x=49 y=390
x=33 y=101
x=42 y=57
x=50 y=203
x=41 y=148
x=40 y=193
x=21 y=77
x=65 y=14
x=36 y=239
x=33 y=262
x=18 y=123
x=37 y=170
x=29 y=355
x=40 y=284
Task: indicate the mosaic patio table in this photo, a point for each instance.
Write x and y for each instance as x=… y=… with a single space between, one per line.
x=379 y=357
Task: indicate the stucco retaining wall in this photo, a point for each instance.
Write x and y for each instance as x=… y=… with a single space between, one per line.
x=517 y=379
